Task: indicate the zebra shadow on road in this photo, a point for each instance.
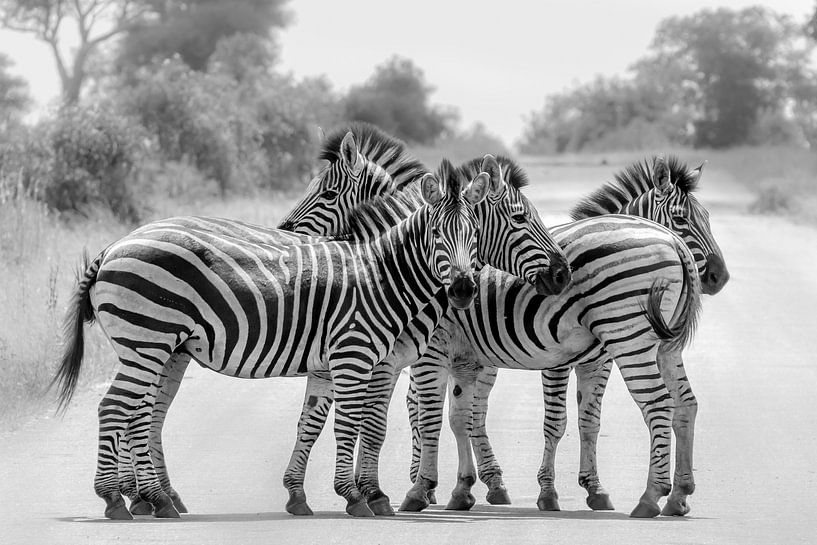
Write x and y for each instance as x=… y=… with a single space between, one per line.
x=434 y=514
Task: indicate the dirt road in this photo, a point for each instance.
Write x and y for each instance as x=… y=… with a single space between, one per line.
x=753 y=366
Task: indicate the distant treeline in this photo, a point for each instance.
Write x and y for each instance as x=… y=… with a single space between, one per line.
x=183 y=99
x=717 y=78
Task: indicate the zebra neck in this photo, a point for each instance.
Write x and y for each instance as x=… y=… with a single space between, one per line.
x=401 y=266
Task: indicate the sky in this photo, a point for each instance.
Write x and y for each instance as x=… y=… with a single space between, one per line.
x=494 y=61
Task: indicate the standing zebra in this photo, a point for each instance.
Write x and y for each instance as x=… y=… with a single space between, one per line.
x=662 y=193
x=349 y=165
x=254 y=310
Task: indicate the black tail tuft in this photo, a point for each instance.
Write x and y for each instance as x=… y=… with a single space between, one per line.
x=80 y=312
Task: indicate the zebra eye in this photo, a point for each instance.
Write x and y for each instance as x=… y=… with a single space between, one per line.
x=519 y=218
x=330 y=194
x=435 y=231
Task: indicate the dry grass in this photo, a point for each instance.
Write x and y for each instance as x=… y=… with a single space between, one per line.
x=39 y=255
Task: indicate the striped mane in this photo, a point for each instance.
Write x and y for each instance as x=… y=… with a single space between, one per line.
x=513 y=174
x=378 y=147
x=631 y=183
x=376 y=216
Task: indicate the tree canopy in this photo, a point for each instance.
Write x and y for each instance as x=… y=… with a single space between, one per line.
x=193 y=28
x=396 y=98
x=715 y=78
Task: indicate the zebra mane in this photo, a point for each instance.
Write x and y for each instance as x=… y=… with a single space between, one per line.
x=631 y=183
x=376 y=216
x=513 y=174
x=378 y=147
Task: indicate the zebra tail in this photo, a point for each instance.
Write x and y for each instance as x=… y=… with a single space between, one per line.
x=78 y=314
x=685 y=318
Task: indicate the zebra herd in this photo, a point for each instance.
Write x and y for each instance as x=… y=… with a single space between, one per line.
x=384 y=265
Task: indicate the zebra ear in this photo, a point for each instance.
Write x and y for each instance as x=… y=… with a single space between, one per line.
x=661 y=178
x=430 y=188
x=477 y=190
x=696 y=174
x=491 y=166
x=321 y=135
x=350 y=154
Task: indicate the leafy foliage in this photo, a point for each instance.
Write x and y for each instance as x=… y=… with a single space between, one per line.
x=395 y=98
x=83 y=156
x=14 y=97
x=716 y=78
x=192 y=29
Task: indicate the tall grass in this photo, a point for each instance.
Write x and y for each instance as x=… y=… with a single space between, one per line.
x=39 y=256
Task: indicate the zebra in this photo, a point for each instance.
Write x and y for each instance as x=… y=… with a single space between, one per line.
x=254 y=310
x=659 y=190
x=342 y=151
x=314 y=412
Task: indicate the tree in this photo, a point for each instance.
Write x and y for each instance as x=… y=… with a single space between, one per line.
x=725 y=68
x=192 y=28
x=96 y=22
x=14 y=98
x=395 y=98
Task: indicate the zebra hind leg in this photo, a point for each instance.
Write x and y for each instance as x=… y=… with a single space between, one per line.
x=672 y=369
x=592 y=380
x=168 y=387
x=318 y=398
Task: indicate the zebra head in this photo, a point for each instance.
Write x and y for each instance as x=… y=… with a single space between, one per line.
x=512 y=236
x=363 y=163
x=452 y=229
x=672 y=204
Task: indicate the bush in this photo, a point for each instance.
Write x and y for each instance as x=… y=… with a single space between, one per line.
x=184 y=114
x=83 y=156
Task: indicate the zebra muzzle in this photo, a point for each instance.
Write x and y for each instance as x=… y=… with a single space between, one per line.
x=462 y=290
x=555 y=278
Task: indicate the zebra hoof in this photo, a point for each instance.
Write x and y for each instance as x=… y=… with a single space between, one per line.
x=163 y=508
x=177 y=501
x=359 y=509
x=115 y=508
x=498 y=496
x=413 y=504
x=297 y=504
x=432 y=497
x=461 y=502
x=675 y=508
x=141 y=507
x=600 y=502
x=380 y=506
x=548 y=501
x=645 y=510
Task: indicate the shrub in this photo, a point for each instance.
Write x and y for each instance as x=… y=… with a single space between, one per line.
x=81 y=157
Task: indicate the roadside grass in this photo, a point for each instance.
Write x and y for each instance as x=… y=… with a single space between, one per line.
x=39 y=256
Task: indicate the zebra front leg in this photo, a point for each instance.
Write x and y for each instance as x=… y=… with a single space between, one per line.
x=350 y=378
x=460 y=416
x=318 y=398
x=672 y=369
x=488 y=468
x=431 y=380
x=643 y=379
x=413 y=408
x=554 y=391
x=372 y=434
x=592 y=380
